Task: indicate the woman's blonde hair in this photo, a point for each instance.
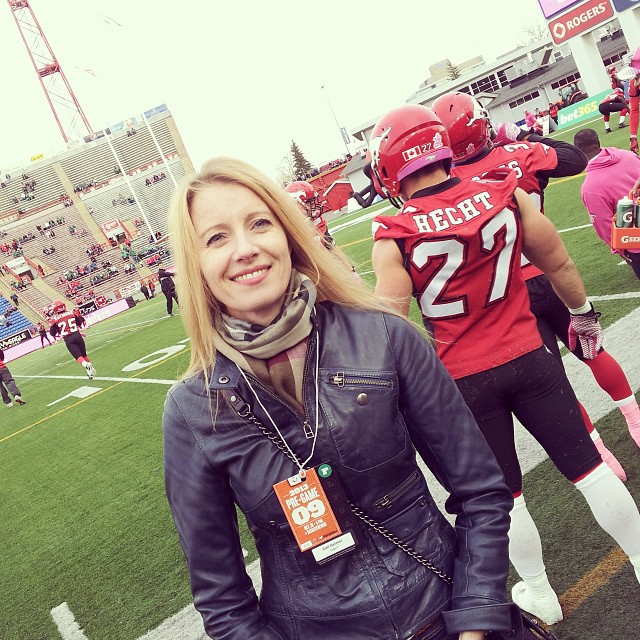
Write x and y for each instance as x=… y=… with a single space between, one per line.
x=200 y=311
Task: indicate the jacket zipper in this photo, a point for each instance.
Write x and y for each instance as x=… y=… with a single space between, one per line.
x=387 y=501
x=339 y=379
x=306 y=427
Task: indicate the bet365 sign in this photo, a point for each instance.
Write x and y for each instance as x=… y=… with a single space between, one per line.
x=581 y=111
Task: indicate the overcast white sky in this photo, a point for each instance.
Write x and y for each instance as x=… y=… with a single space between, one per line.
x=243 y=77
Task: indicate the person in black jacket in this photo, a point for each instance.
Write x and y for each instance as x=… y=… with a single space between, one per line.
x=8 y=385
x=168 y=287
x=283 y=335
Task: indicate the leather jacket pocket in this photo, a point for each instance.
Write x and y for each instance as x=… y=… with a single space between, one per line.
x=421 y=528
x=361 y=408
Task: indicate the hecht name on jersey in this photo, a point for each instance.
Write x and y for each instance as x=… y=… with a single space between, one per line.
x=443 y=219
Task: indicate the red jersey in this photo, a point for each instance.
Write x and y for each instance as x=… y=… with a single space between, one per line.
x=67 y=323
x=318 y=222
x=525 y=159
x=462 y=248
x=613 y=97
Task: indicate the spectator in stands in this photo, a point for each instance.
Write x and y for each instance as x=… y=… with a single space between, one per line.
x=8 y=385
x=15 y=299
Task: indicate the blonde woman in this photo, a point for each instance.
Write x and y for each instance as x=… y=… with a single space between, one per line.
x=302 y=396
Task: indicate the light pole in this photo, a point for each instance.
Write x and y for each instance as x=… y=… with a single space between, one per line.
x=343 y=133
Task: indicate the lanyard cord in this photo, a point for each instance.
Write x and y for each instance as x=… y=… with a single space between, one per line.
x=275 y=426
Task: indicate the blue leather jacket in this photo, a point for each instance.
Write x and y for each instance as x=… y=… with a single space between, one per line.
x=215 y=459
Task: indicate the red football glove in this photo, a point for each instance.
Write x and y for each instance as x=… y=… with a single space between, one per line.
x=586 y=328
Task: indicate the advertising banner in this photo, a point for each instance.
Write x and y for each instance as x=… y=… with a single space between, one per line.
x=581 y=19
x=581 y=111
x=158 y=109
x=15 y=339
x=551 y=7
x=623 y=5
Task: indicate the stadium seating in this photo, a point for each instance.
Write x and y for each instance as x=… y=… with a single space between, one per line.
x=91 y=173
x=15 y=323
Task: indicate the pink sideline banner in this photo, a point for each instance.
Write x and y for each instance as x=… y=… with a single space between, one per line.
x=92 y=318
x=551 y=7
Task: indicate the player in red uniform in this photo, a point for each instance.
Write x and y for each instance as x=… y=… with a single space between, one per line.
x=307 y=198
x=67 y=325
x=613 y=103
x=534 y=159
x=456 y=245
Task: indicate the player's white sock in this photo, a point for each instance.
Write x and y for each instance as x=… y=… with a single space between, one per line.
x=613 y=508
x=534 y=594
x=631 y=412
x=622 y=119
x=635 y=561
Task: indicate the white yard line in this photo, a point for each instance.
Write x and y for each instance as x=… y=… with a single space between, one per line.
x=102 y=379
x=359 y=219
x=67 y=626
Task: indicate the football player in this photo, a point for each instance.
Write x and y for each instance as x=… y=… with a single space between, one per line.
x=535 y=159
x=67 y=325
x=307 y=198
x=456 y=245
x=614 y=103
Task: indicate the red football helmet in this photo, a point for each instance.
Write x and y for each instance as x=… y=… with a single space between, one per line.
x=611 y=70
x=467 y=123
x=303 y=193
x=405 y=140
x=619 y=92
x=59 y=306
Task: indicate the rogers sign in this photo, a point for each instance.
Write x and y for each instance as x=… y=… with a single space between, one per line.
x=583 y=18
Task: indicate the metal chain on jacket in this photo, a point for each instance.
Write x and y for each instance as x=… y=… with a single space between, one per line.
x=375 y=525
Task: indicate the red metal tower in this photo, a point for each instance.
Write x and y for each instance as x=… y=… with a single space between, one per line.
x=66 y=109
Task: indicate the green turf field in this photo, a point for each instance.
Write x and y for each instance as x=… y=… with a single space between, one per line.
x=84 y=519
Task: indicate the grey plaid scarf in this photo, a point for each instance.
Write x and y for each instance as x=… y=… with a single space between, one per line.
x=254 y=347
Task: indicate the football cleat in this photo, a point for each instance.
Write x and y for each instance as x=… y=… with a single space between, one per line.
x=546 y=608
x=19 y=400
x=90 y=370
x=9 y=405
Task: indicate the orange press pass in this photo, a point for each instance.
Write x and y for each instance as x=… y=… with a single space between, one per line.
x=307 y=510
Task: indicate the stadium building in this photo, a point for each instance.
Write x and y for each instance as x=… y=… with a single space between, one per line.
x=528 y=77
x=88 y=224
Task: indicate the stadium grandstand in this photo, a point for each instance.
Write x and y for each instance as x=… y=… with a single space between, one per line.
x=90 y=223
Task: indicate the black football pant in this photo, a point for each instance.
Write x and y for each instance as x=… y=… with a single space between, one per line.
x=75 y=345
x=552 y=316
x=535 y=389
